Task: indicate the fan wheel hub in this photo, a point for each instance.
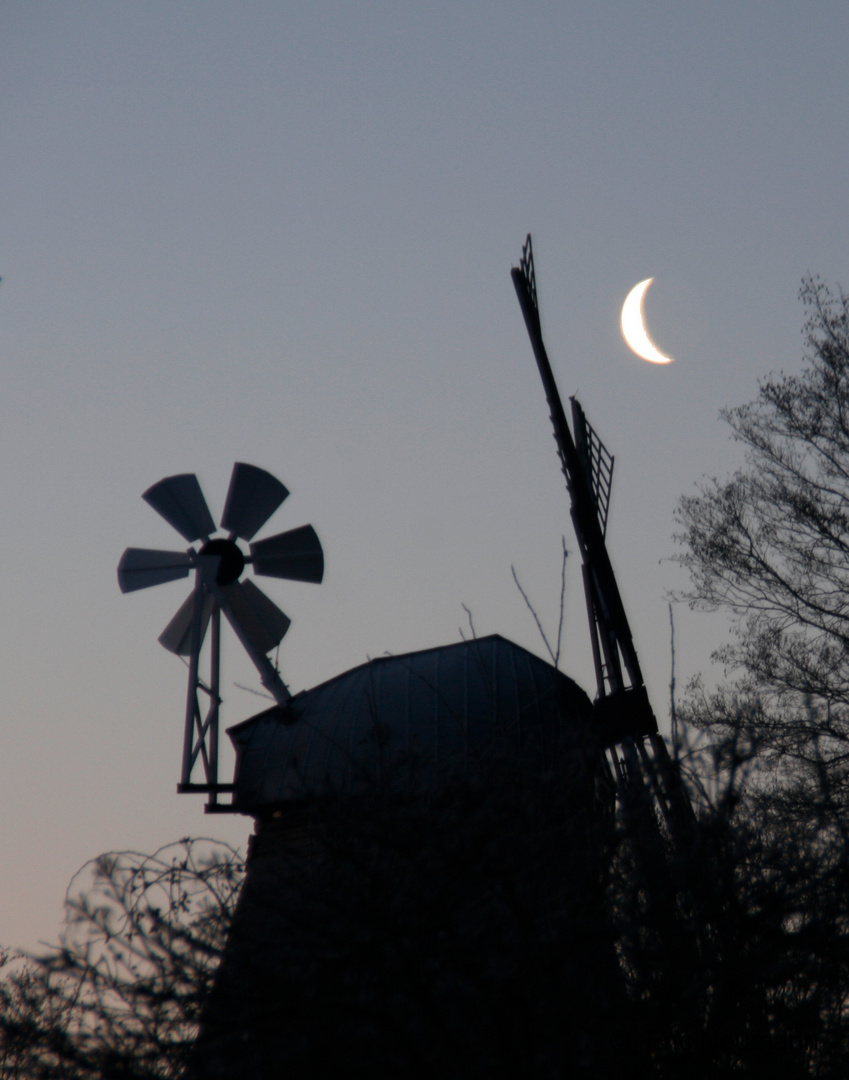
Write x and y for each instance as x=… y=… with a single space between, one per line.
x=232 y=560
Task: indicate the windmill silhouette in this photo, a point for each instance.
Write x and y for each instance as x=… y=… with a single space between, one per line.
x=252 y=497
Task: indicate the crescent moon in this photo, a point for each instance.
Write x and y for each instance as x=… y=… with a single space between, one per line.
x=634 y=327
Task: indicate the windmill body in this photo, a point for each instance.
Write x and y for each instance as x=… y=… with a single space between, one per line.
x=218 y=563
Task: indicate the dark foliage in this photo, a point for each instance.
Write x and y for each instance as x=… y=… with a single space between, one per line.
x=493 y=929
x=121 y=994
x=770 y=546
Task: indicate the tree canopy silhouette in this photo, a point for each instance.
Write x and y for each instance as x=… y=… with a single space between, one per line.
x=120 y=995
x=770 y=546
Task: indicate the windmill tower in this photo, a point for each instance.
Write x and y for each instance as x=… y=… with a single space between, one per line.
x=635 y=753
x=218 y=563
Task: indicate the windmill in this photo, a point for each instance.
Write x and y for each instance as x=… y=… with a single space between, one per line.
x=636 y=754
x=218 y=564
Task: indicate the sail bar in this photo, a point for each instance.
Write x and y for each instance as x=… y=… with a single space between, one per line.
x=597 y=461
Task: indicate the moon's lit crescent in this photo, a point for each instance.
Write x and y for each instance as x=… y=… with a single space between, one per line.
x=634 y=327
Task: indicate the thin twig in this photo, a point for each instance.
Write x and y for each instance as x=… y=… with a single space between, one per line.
x=672 y=712
x=471 y=624
x=250 y=690
x=562 y=601
x=551 y=653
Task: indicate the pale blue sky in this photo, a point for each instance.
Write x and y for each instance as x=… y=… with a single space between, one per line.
x=282 y=233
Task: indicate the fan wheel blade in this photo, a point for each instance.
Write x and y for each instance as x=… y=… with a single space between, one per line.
x=252 y=498
x=177 y=635
x=259 y=618
x=140 y=568
x=180 y=501
x=295 y=555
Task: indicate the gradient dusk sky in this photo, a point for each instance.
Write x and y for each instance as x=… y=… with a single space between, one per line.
x=282 y=233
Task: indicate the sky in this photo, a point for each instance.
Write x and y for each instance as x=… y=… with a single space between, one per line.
x=282 y=233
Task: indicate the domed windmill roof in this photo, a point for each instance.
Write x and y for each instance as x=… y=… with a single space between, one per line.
x=433 y=710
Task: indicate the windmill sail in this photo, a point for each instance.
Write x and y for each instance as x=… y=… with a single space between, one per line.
x=140 y=568
x=180 y=501
x=252 y=498
x=624 y=715
x=617 y=666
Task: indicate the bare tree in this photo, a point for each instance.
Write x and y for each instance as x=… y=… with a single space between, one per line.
x=120 y=996
x=770 y=546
